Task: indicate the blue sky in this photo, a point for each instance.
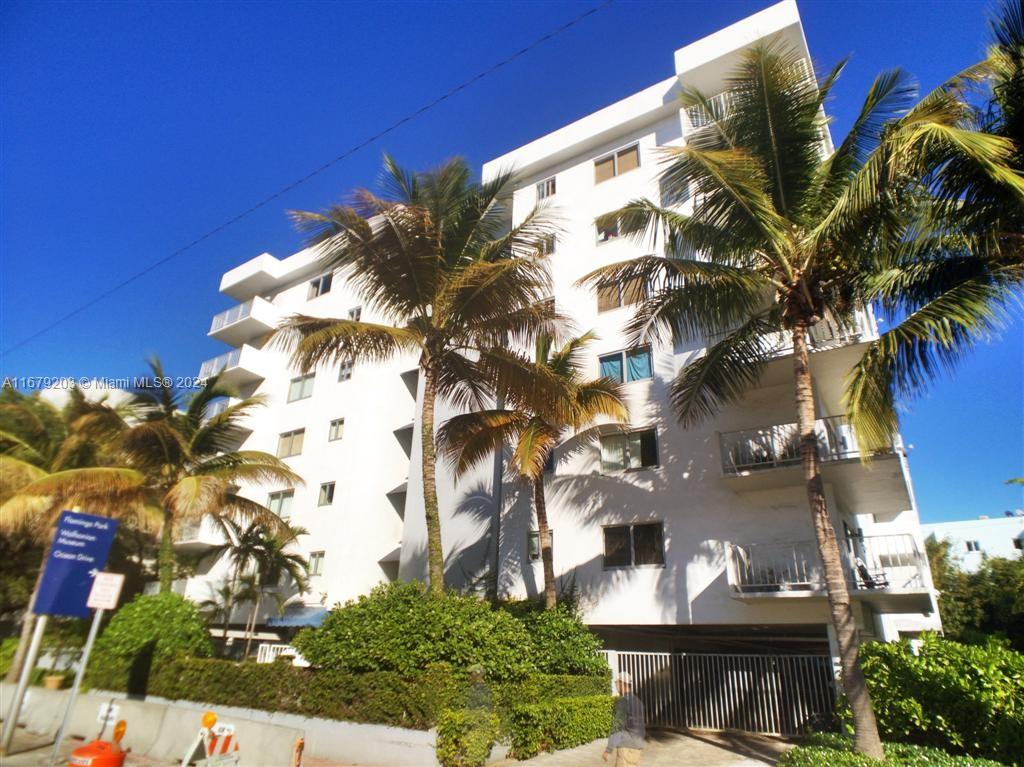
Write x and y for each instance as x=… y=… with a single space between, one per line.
x=128 y=129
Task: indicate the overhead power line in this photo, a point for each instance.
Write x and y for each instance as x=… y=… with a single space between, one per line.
x=298 y=182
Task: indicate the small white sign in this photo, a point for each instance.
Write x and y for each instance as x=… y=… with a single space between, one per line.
x=106 y=588
x=108 y=713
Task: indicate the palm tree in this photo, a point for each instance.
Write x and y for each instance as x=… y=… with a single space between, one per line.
x=75 y=445
x=952 y=284
x=789 y=232
x=433 y=255
x=536 y=426
x=262 y=553
x=221 y=604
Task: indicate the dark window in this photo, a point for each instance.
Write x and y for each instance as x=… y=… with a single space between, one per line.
x=533 y=544
x=547 y=245
x=356 y=314
x=320 y=285
x=549 y=463
x=326 y=494
x=632 y=450
x=546 y=188
x=634 y=545
x=973 y=546
x=1018 y=543
x=608 y=230
x=345 y=371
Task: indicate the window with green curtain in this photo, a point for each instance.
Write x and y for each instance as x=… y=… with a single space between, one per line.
x=638 y=364
x=613 y=452
x=611 y=366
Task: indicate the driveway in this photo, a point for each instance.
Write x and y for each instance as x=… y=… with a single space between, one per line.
x=672 y=749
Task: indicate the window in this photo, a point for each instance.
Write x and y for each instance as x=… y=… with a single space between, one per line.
x=633 y=450
x=301 y=387
x=337 y=430
x=547 y=245
x=356 y=314
x=345 y=371
x=533 y=544
x=320 y=285
x=634 y=545
x=290 y=443
x=973 y=546
x=281 y=503
x=1018 y=543
x=621 y=294
x=316 y=563
x=629 y=365
x=326 y=494
x=607 y=230
x=616 y=163
x=546 y=188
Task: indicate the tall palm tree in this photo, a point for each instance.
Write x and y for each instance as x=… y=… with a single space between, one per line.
x=435 y=256
x=75 y=445
x=789 y=232
x=535 y=426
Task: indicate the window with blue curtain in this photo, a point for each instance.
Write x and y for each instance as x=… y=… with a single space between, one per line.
x=638 y=364
x=611 y=367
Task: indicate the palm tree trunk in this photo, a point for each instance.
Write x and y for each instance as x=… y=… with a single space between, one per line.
x=28 y=623
x=165 y=558
x=435 y=552
x=866 y=739
x=250 y=628
x=544 y=534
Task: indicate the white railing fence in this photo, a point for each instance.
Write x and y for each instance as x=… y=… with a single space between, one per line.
x=231 y=316
x=220 y=362
x=769 y=694
x=779 y=445
x=268 y=653
x=776 y=567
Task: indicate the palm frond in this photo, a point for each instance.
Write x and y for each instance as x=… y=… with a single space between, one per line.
x=316 y=341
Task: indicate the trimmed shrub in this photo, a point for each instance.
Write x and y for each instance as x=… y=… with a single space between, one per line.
x=959 y=698
x=380 y=697
x=559 y=723
x=562 y=644
x=142 y=636
x=398 y=627
x=465 y=737
x=837 y=751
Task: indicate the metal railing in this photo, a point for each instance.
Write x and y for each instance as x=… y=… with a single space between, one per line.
x=215 y=408
x=770 y=694
x=231 y=316
x=699 y=117
x=779 y=445
x=826 y=334
x=220 y=363
x=874 y=563
x=188 y=531
x=268 y=653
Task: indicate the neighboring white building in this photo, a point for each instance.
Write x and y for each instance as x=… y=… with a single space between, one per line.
x=974 y=539
x=672 y=539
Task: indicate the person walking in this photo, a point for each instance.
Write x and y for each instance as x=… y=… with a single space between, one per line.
x=629 y=731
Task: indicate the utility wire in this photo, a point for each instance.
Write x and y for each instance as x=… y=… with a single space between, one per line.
x=298 y=182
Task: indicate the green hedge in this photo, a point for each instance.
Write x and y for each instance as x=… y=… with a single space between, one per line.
x=836 y=751
x=383 y=697
x=465 y=737
x=399 y=627
x=959 y=698
x=559 y=723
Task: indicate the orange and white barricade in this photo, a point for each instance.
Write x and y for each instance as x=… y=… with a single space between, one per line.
x=215 y=745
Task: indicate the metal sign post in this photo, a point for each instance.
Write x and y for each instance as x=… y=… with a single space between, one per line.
x=106 y=590
x=79 y=551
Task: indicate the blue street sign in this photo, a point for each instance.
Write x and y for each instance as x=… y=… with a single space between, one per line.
x=79 y=551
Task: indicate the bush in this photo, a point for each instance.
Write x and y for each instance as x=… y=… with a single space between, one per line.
x=143 y=635
x=465 y=737
x=959 y=698
x=559 y=723
x=380 y=697
x=398 y=627
x=562 y=644
x=836 y=751
x=7 y=648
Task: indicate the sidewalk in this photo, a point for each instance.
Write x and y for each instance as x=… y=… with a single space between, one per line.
x=673 y=749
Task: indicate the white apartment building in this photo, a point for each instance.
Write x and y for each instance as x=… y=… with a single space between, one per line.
x=671 y=539
x=975 y=539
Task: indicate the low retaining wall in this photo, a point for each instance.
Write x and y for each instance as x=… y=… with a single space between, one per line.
x=163 y=729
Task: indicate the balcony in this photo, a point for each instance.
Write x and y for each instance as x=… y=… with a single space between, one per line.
x=198 y=535
x=238 y=367
x=698 y=117
x=769 y=458
x=826 y=334
x=244 y=322
x=887 y=571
